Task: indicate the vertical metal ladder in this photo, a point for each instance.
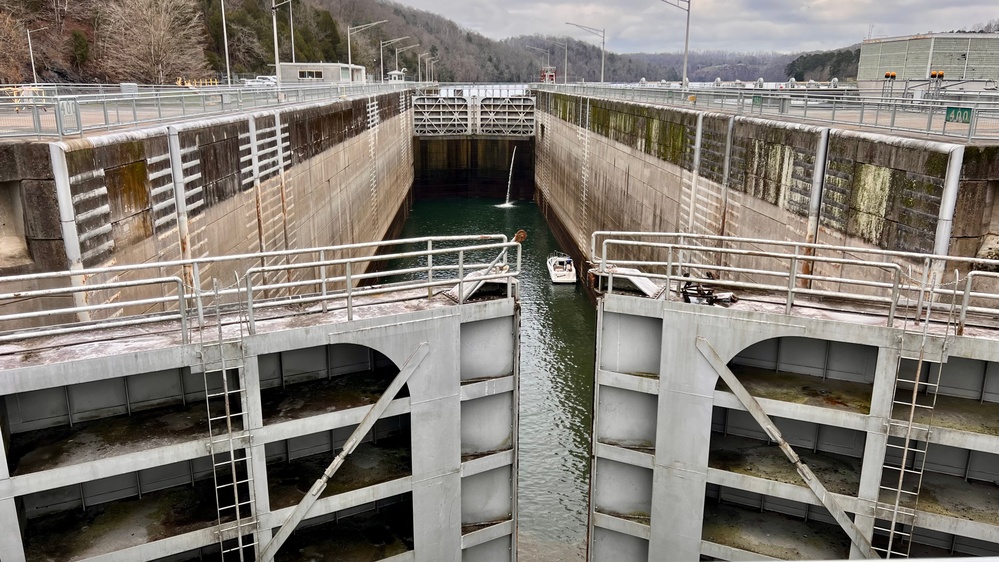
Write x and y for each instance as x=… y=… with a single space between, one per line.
x=374 y=119
x=231 y=469
x=914 y=399
x=583 y=138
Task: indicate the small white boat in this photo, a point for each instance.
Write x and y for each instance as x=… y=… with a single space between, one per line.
x=560 y=268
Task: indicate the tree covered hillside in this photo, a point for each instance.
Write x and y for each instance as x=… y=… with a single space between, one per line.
x=157 y=41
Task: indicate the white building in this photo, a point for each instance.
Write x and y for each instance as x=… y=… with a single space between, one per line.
x=321 y=72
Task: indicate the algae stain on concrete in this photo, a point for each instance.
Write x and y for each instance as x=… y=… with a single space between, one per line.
x=870 y=201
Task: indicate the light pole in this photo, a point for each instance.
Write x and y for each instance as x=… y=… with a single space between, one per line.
x=381 y=52
x=358 y=29
x=225 y=39
x=31 y=53
x=685 y=6
x=398 y=50
x=547 y=52
x=291 y=19
x=419 y=65
x=601 y=33
x=277 y=58
x=565 y=71
x=433 y=69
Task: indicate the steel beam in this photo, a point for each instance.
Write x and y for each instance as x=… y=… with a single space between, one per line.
x=302 y=509
x=862 y=543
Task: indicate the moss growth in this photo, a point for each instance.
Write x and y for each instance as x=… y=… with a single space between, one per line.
x=936 y=164
x=804 y=389
x=869 y=201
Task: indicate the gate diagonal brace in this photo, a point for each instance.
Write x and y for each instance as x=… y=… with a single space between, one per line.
x=302 y=509
x=756 y=410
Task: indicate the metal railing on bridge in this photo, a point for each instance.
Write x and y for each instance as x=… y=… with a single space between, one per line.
x=177 y=296
x=58 y=111
x=970 y=120
x=847 y=279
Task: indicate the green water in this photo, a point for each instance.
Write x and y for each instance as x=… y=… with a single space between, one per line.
x=556 y=376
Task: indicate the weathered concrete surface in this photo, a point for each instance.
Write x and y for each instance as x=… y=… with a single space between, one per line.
x=707 y=446
x=344 y=171
x=609 y=165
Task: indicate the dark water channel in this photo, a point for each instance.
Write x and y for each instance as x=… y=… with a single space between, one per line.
x=556 y=375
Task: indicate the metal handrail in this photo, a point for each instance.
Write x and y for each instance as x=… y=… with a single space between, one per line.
x=180 y=294
x=40 y=115
x=686 y=254
x=924 y=116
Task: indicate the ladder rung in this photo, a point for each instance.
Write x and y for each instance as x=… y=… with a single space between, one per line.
x=224 y=459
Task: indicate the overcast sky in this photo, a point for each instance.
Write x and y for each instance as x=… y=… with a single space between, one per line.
x=731 y=25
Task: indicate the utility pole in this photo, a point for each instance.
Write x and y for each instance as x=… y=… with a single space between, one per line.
x=225 y=39
x=685 y=6
x=398 y=50
x=381 y=52
x=277 y=57
x=565 y=71
x=358 y=29
x=291 y=19
x=419 y=65
x=31 y=53
x=602 y=34
x=547 y=52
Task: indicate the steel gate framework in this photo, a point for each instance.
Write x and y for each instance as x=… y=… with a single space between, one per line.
x=470 y=115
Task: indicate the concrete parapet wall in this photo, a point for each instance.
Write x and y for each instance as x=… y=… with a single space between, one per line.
x=307 y=176
x=238 y=189
x=611 y=165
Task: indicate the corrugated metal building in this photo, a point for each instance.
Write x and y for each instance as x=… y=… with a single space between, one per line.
x=961 y=56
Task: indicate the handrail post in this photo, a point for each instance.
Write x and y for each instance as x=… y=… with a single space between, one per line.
x=669 y=272
x=896 y=285
x=251 y=325
x=965 y=302
x=60 y=128
x=350 y=295
x=973 y=122
x=430 y=268
x=791 y=280
x=461 y=276
x=196 y=282
x=185 y=337
x=322 y=276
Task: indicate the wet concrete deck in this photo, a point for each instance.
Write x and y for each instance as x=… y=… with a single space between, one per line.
x=100 y=529
x=101 y=342
x=751 y=457
x=46 y=449
x=857 y=312
x=955 y=497
x=369 y=464
x=962 y=414
x=803 y=389
x=772 y=534
x=311 y=398
x=365 y=537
